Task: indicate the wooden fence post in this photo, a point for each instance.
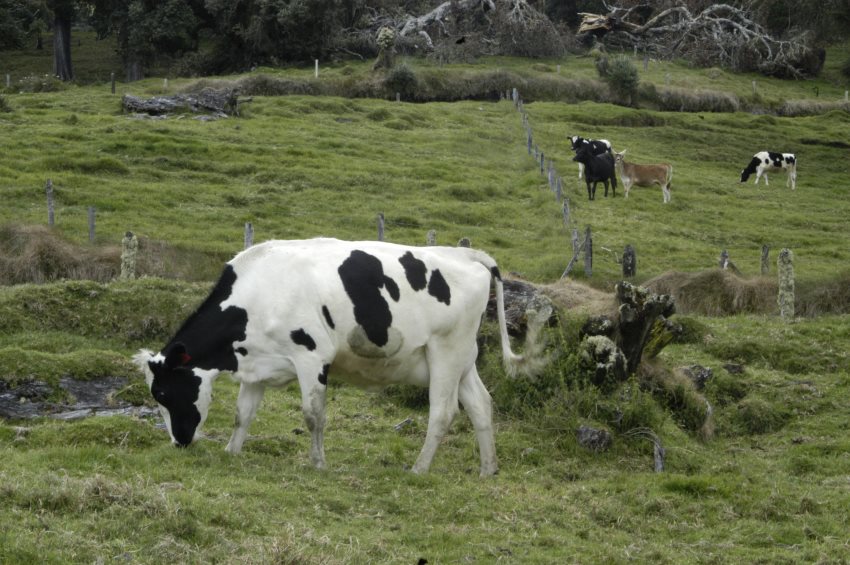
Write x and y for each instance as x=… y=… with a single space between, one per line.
x=317 y=68
x=431 y=238
x=91 y=224
x=380 y=226
x=574 y=241
x=566 y=210
x=588 y=253
x=754 y=88
x=129 y=247
x=785 y=266
x=542 y=162
x=629 y=261
x=112 y=80
x=529 y=142
x=50 y=215
x=249 y=234
x=765 y=260
x=8 y=80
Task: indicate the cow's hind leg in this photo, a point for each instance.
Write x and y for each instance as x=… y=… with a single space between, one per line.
x=312 y=379
x=446 y=364
x=250 y=396
x=476 y=401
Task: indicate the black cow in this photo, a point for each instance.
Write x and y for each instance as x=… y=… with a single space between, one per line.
x=597 y=146
x=598 y=168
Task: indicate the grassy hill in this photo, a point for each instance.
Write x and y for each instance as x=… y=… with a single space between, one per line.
x=768 y=485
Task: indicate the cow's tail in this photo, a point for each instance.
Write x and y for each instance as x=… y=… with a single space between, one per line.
x=532 y=360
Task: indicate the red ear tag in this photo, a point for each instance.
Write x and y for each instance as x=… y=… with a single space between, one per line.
x=185 y=358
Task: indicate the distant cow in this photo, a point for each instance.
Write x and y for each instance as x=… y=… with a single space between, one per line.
x=765 y=161
x=370 y=313
x=599 y=168
x=632 y=174
x=597 y=147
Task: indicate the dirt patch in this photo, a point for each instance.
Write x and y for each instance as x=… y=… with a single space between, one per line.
x=576 y=297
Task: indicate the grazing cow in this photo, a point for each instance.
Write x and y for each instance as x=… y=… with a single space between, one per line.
x=370 y=313
x=597 y=146
x=768 y=160
x=644 y=175
x=599 y=168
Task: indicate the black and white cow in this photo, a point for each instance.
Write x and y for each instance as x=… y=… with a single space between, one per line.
x=765 y=161
x=369 y=313
x=597 y=147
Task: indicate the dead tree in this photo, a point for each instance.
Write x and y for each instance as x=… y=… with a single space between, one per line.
x=495 y=26
x=720 y=34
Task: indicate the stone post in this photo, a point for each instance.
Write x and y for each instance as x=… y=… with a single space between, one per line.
x=785 y=266
x=129 y=249
x=431 y=238
x=588 y=253
x=249 y=234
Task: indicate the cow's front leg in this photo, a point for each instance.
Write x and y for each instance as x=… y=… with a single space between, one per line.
x=250 y=396
x=313 y=382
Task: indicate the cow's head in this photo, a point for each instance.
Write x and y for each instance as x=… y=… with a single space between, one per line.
x=575 y=141
x=583 y=154
x=183 y=392
x=751 y=168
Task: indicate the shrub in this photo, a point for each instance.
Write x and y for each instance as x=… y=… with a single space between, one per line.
x=756 y=416
x=622 y=78
x=43 y=83
x=401 y=79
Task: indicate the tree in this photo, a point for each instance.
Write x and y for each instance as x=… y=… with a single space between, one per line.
x=64 y=12
x=720 y=34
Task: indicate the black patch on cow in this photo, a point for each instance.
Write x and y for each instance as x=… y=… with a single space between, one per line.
x=323 y=376
x=415 y=271
x=495 y=272
x=777 y=158
x=790 y=159
x=177 y=388
x=362 y=276
x=439 y=288
x=751 y=168
x=327 y=314
x=209 y=333
x=242 y=351
x=300 y=337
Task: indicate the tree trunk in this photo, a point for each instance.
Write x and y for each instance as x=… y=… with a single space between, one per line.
x=62 y=49
x=134 y=71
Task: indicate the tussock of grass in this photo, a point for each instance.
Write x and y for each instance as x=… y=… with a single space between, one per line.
x=796 y=108
x=35 y=254
x=716 y=292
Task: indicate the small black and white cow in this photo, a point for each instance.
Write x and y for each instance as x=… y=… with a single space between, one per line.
x=599 y=168
x=765 y=161
x=369 y=313
x=597 y=147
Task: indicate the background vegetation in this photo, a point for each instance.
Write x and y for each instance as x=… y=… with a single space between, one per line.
x=762 y=480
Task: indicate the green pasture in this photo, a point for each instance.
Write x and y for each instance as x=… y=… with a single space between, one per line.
x=769 y=484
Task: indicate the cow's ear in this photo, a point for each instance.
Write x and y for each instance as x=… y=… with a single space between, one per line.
x=177 y=356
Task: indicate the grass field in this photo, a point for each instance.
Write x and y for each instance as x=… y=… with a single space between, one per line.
x=771 y=485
